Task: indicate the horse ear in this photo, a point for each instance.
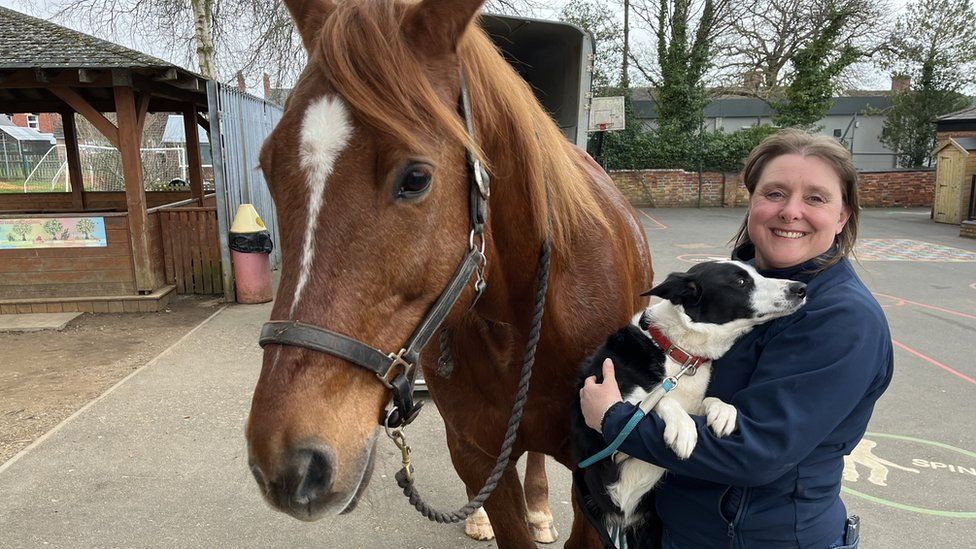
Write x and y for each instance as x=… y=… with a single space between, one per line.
x=309 y=15
x=678 y=288
x=437 y=25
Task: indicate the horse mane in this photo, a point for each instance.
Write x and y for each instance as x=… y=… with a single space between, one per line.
x=385 y=83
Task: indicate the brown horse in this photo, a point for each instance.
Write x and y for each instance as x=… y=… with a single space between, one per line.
x=368 y=169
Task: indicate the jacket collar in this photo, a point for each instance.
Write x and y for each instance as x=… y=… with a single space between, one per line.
x=804 y=272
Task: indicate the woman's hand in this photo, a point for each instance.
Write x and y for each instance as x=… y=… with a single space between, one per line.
x=597 y=398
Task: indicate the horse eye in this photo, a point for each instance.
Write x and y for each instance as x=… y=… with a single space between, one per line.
x=414 y=181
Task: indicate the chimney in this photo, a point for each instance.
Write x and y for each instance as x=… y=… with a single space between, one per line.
x=752 y=80
x=267 y=86
x=901 y=82
x=240 y=82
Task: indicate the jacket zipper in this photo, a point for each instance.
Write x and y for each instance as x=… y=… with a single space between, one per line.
x=743 y=500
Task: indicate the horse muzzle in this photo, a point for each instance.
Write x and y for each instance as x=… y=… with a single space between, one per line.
x=307 y=485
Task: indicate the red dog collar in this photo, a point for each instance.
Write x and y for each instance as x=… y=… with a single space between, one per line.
x=676 y=353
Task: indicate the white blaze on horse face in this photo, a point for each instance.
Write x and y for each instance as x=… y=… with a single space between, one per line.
x=325 y=133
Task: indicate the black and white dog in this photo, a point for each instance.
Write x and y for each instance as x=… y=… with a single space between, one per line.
x=702 y=313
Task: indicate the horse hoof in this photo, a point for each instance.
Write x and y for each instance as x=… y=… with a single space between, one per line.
x=545 y=533
x=478 y=527
x=542 y=528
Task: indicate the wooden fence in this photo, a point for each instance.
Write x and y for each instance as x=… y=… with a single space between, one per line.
x=191 y=247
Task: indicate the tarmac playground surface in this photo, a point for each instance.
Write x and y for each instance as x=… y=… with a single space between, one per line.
x=159 y=460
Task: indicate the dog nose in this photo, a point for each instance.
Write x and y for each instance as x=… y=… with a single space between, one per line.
x=308 y=478
x=797 y=290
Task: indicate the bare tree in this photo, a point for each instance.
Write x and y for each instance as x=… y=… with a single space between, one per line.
x=218 y=37
x=765 y=37
x=658 y=18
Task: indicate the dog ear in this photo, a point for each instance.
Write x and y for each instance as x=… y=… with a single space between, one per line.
x=678 y=288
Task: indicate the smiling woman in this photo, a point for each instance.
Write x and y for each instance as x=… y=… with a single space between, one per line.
x=802 y=200
x=804 y=386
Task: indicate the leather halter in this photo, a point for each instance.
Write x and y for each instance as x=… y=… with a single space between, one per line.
x=397 y=371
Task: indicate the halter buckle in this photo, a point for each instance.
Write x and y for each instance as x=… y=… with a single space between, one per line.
x=396 y=360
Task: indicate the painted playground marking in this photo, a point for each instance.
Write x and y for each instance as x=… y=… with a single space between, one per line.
x=700 y=258
x=934 y=362
x=936 y=470
x=899 y=301
x=900 y=249
x=659 y=224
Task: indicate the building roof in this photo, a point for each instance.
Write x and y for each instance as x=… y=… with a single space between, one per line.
x=751 y=107
x=175 y=133
x=969 y=113
x=29 y=42
x=27 y=134
x=968 y=143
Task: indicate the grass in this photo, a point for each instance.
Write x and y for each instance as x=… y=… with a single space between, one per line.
x=17 y=187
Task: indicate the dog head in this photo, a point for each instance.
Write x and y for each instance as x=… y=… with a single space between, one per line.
x=724 y=292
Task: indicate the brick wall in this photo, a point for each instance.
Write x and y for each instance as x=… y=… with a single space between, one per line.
x=904 y=188
x=679 y=189
x=675 y=188
x=968 y=229
x=942 y=136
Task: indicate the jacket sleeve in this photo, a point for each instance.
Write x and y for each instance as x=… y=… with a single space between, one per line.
x=810 y=377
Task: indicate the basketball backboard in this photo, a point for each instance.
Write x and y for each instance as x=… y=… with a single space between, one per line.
x=606 y=114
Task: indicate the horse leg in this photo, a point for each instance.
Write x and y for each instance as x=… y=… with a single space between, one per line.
x=505 y=507
x=539 y=514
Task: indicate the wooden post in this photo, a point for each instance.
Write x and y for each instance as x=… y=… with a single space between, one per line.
x=74 y=160
x=135 y=191
x=193 y=161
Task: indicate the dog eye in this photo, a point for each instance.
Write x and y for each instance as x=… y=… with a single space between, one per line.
x=740 y=282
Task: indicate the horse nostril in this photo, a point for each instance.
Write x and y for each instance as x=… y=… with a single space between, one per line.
x=798 y=289
x=314 y=473
x=259 y=477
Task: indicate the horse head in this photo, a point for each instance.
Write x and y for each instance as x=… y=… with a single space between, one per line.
x=368 y=169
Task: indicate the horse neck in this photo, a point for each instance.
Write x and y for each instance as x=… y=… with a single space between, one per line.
x=514 y=243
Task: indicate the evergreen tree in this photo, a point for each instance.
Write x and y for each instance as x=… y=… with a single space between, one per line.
x=816 y=67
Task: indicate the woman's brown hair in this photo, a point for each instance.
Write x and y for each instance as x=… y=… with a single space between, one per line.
x=792 y=141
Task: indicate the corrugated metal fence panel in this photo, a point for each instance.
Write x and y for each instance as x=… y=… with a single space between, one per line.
x=192 y=259
x=242 y=122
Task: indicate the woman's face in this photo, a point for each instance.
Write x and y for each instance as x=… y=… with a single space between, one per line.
x=795 y=211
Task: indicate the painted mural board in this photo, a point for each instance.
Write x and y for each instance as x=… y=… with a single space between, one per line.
x=52 y=232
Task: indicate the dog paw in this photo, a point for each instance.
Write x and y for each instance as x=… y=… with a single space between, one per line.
x=720 y=416
x=681 y=435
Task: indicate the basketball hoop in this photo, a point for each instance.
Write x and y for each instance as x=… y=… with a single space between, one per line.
x=603 y=127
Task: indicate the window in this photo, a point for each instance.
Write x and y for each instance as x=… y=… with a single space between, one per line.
x=838 y=133
x=32 y=121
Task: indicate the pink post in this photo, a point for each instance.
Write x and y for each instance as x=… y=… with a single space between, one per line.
x=252 y=272
x=250 y=247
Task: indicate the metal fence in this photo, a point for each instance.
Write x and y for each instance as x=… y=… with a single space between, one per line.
x=239 y=124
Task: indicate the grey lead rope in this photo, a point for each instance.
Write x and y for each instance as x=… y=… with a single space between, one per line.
x=405 y=477
x=405 y=481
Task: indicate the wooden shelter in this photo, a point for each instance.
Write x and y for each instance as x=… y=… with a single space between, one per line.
x=48 y=68
x=955 y=170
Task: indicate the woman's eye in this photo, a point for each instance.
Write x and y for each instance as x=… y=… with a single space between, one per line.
x=775 y=195
x=816 y=199
x=414 y=182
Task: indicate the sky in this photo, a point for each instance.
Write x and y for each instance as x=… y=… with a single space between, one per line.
x=872 y=79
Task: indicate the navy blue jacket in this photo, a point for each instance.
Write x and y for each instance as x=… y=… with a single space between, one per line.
x=804 y=386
